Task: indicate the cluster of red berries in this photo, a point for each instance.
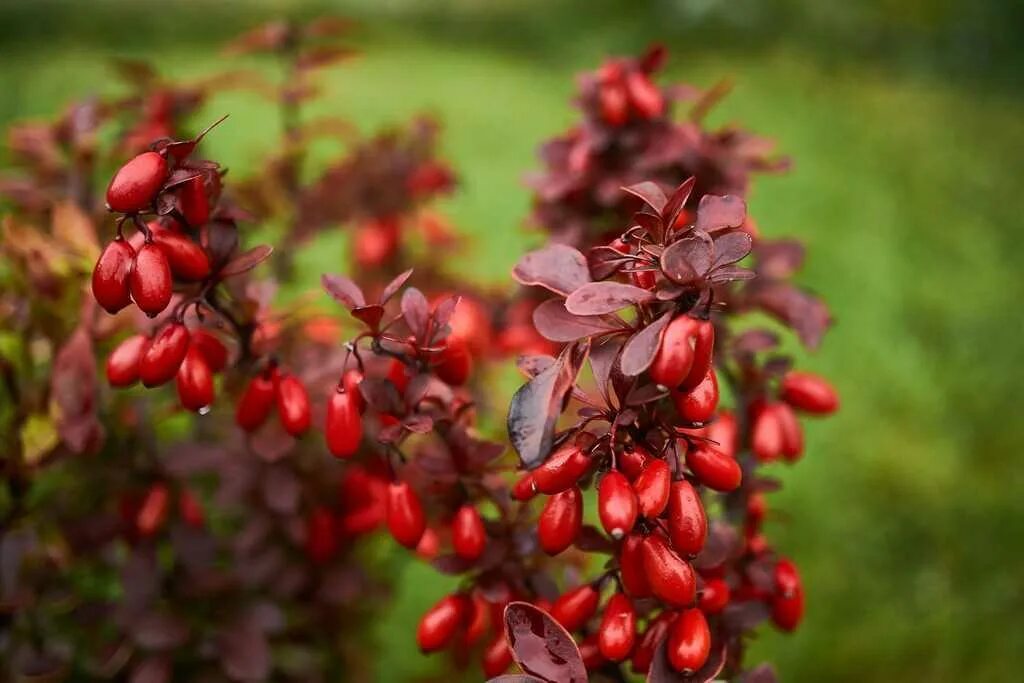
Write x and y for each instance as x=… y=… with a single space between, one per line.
x=273 y=388
x=624 y=91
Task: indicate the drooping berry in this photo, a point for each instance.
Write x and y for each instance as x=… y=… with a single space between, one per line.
x=765 y=434
x=687 y=520
x=788 y=598
x=689 y=641
x=703 y=355
x=698 y=404
x=350 y=382
x=162 y=358
x=644 y=96
x=406 y=520
x=135 y=184
x=632 y=462
x=714 y=596
x=715 y=469
x=671 y=577
x=617 y=632
x=150 y=279
x=574 y=608
x=631 y=566
x=455 y=363
x=212 y=348
x=257 y=401
x=497 y=657
x=652 y=488
x=613 y=103
x=111 y=274
x=193 y=202
x=293 y=404
x=343 y=426
x=657 y=629
x=468 y=535
x=675 y=354
x=616 y=504
x=187 y=259
x=791 y=431
x=809 y=392
x=195 y=381
x=724 y=433
x=123 y=361
x=524 y=488
x=562 y=469
x=440 y=623
x=560 y=521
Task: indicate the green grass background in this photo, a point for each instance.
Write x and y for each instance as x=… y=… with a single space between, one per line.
x=906 y=515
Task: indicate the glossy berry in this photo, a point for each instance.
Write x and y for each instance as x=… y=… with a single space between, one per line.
x=187 y=259
x=455 y=363
x=617 y=632
x=293 y=404
x=714 y=469
x=809 y=392
x=497 y=657
x=616 y=504
x=787 y=604
x=689 y=641
x=111 y=274
x=195 y=381
x=714 y=596
x=632 y=462
x=350 y=381
x=562 y=469
x=343 y=426
x=468 y=535
x=212 y=348
x=135 y=184
x=687 y=520
x=193 y=202
x=644 y=96
x=560 y=521
x=613 y=103
x=123 y=361
x=152 y=513
x=765 y=434
x=675 y=354
x=698 y=404
x=406 y=520
x=703 y=355
x=574 y=608
x=791 y=431
x=652 y=488
x=150 y=279
x=257 y=401
x=162 y=358
x=631 y=566
x=590 y=653
x=724 y=433
x=440 y=623
x=657 y=629
x=671 y=577
x=524 y=488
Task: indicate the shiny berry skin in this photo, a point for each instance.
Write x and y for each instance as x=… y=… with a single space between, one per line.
x=714 y=596
x=703 y=355
x=293 y=404
x=187 y=259
x=560 y=521
x=765 y=434
x=590 y=653
x=616 y=504
x=343 y=426
x=687 y=520
x=440 y=623
x=111 y=274
x=194 y=204
x=455 y=364
x=212 y=348
x=195 y=381
x=152 y=513
x=524 y=489
x=562 y=469
x=468 y=535
x=123 y=361
x=791 y=432
x=497 y=657
x=321 y=535
x=406 y=520
x=617 y=632
x=674 y=359
x=652 y=488
x=574 y=608
x=671 y=577
x=724 y=432
x=657 y=629
x=613 y=103
x=786 y=577
x=809 y=392
x=714 y=469
x=162 y=358
x=632 y=462
x=135 y=184
x=350 y=381
x=644 y=96
x=150 y=279
x=257 y=401
x=631 y=566
x=689 y=641
x=429 y=545
x=698 y=404
x=788 y=601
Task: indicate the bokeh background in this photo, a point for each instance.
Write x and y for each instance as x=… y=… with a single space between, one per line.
x=905 y=119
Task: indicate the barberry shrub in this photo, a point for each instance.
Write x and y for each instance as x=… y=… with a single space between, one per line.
x=216 y=530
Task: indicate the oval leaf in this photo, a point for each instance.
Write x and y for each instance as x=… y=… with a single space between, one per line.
x=343 y=290
x=247 y=261
x=559 y=325
x=416 y=311
x=650 y=192
x=599 y=298
x=731 y=247
x=394 y=286
x=718 y=213
x=686 y=260
x=557 y=267
x=541 y=647
x=642 y=347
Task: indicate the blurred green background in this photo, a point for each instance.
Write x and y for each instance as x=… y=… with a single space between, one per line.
x=906 y=122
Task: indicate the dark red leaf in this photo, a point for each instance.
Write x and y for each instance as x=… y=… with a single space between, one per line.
x=156 y=631
x=804 y=312
x=731 y=247
x=603 y=357
x=73 y=388
x=741 y=617
x=731 y=274
x=687 y=259
x=531 y=366
x=599 y=298
x=246 y=261
x=343 y=290
x=778 y=258
x=753 y=341
x=382 y=395
x=723 y=542
x=651 y=194
x=642 y=347
x=541 y=647
x=603 y=261
x=677 y=201
x=418 y=424
x=590 y=540
x=762 y=673
x=395 y=285
x=443 y=314
x=717 y=213
x=654 y=58
x=370 y=315
x=151 y=670
x=557 y=267
x=645 y=393
x=416 y=311
x=559 y=325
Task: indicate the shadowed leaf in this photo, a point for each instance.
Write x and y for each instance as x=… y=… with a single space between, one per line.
x=557 y=324
x=247 y=261
x=343 y=290
x=557 y=267
x=599 y=298
x=642 y=347
x=718 y=213
x=541 y=647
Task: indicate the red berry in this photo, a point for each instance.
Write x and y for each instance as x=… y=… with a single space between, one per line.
x=321 y=535
x=788 y=600
x=613 y=103
x=724 y=432
x=562 y=469
x=111 y=274
x=187 y=259
x=671 y=577
x=617 y=632
x=786 y=578
x=406 y=520
x=809 y=392
x=468 y=535
x=190 y=509
x=644 y=96
x=689 y=641
x=687 y=520
x=212 y=348
x=699 y=403
x=575 y=608
x=631 y=566
x=703 y=354
x=350 y=381
x=398 y=376
x=714 y=596
x=136 y=183
x=757 y=507
x=652 y=488
x=715 y=469
x=429 y=545
x=590 y=653
x=375 y=242
x=675 y=354
x=193 y=202
x=152 y=513
x=343 y=426
x=633 y=462
x=195 y=381
x=792 y=433
x=256 y=402
x=440 y=623
x=656 y=631
x=162 y=358
x=293 y=404
x=123 y=361
x=497 y=657
x=524 y=489
x=560 y=521
x=455 y=364
x=616 y=504
x=150 y=279
x=765 y=434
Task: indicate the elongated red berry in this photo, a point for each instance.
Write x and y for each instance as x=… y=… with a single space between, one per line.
x=714 y=469
x=703 y=355
x=468 y=535
x=560 y=521
x=135 y=184
x=633 y=461
x=724 y=433
x=613 y=103
x=652 y=488
x=123 y=361
x=195 y=381
x=788 y=599
x=687 y=520
x=562 y=469
x=190 y=509
x=212 y=348
x=698 y=404
x=111 y=274
x=765 y=434
x=631 y=566
x=293 y=404
x=675 y=354
x=193 y=202
x=162 y=358
x=714 y=596
x=187 y=259
x=343 y=426
x=455 y=363
x=671 y=577
x=350 y=382
x=644 y=96
x=440 y=623
x=524 y=488
x=617 y=632
x=152 y=513
x=791 y=431
x=689 y=641
x=497 y=657
x=406 y=520
x=257 y=401
x=574 y=608
x=150 y=279
x=809 y=392
x=657 y=629
x=616 y=504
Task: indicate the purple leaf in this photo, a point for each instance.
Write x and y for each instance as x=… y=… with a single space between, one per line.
x=740 y=617
x=369 y=315
x=730 y=274
x=779 y=258
x=722 y=543
x=537 y=405
x=246 y=261
x=650 y=192
x=418 y=424
x=717 y=213
x=753 y=341
x=244 y=653
x=557 y=324
x=602 y=361
x=395 y=285
x=343 y=290
x=662 y=672
x=541 y=647
x=645 y=393
x=73 y=389
x=603 y=261
x=443 y=313
x=731 y=247
x=686 y=260
x=557 y=267
x=599 y=298
x=533 y=365
x=677 y=202
x=416 y=311
x=382 y=395
x=762 y=673
x=642 y=347
x=805 y=313
x=156 y=631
